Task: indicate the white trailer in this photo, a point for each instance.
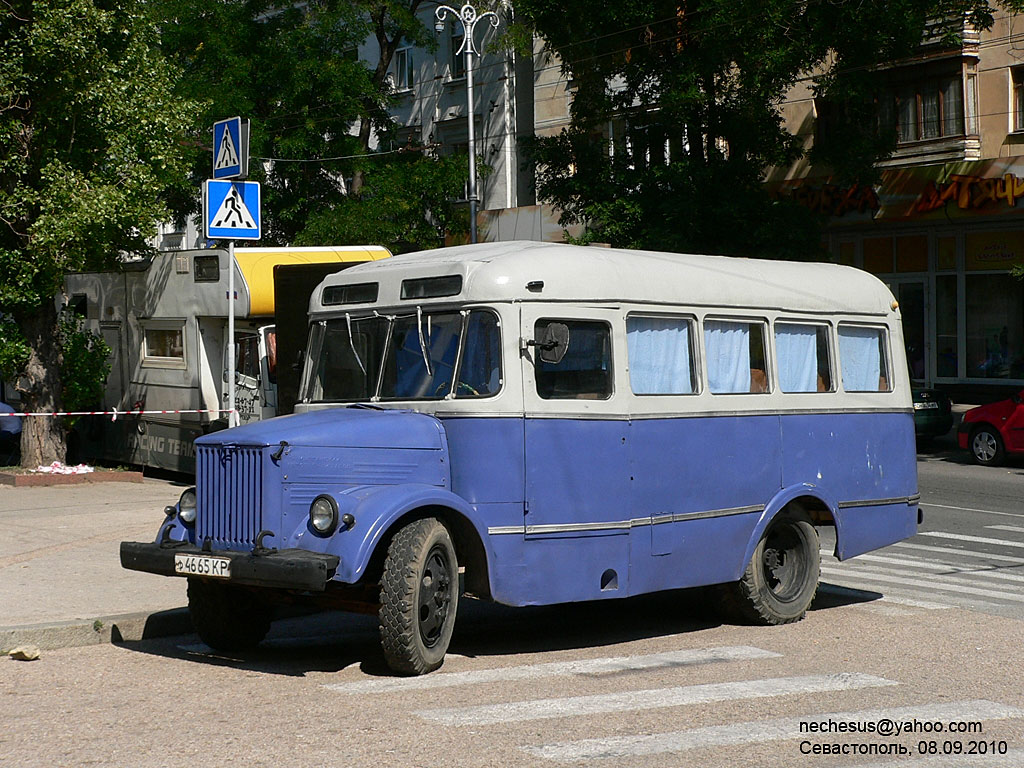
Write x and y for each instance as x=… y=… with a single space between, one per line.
x=165 y=320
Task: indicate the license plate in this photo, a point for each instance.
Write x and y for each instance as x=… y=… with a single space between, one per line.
x=202 y=565
x=925 y=406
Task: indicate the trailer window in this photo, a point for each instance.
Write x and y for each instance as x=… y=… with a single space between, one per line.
x=863 y=360
x=585 y=373
x=735 y=356
x=163 y=345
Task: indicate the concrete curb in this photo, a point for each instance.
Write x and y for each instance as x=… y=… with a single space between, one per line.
x=128 y=627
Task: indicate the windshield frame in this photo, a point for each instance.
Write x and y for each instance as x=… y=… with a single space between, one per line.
x=420 y=315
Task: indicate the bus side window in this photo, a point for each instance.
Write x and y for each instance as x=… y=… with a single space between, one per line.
x=862 y=359
x=660 y=355
x=736 y=360
x=585 y=373
x=801 y=354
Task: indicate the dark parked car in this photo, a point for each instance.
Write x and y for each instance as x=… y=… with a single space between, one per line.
x=933 y=415
x=991 y=431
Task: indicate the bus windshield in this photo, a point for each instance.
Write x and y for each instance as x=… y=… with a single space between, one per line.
x=414 y=356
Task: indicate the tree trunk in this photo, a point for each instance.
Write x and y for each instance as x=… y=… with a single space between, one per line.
x=43 y=438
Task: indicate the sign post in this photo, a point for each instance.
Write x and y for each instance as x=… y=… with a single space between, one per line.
x=231 y=211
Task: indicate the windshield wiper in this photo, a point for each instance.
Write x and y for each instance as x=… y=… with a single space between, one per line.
x=423 y=342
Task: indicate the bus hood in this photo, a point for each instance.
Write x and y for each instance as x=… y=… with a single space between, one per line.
x=352 y=427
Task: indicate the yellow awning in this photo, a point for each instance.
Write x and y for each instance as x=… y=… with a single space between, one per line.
x=257 y=267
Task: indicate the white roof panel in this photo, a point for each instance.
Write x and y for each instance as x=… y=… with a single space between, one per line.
x=501 y=271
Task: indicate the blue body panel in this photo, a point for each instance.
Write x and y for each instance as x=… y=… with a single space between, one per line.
x=567 y=509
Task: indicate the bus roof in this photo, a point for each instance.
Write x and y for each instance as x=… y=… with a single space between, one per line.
x=501 y=272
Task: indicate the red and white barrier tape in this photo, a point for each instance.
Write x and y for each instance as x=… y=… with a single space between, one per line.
x=114 y=413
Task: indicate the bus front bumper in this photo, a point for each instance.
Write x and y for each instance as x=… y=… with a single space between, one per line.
x=280 y=569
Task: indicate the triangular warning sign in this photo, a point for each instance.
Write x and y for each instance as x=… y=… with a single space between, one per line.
x=227 y=155
x=232 y=213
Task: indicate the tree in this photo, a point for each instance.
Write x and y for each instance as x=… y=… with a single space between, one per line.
x=693 y=90
x=90 y=136
x=314 y=108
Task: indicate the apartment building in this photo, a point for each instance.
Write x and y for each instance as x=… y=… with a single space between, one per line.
x=945 y=225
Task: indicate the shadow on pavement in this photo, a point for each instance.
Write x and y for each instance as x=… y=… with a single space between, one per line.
x=331 y=641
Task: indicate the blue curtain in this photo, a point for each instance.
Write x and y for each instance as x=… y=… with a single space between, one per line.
x=859 y=358
x=728 y=351
x=796 y=349
x=659 y=355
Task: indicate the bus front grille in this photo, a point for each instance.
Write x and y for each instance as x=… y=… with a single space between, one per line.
x=229 y=490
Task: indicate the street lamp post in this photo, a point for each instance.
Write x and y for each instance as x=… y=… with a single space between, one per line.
x=468 y=16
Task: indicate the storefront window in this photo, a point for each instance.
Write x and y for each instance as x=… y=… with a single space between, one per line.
x=946 y=337
x=995 y=327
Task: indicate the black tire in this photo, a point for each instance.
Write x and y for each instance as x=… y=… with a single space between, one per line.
x=227 y=617
x=419 y=595
x=986 y=446
x=781 y=578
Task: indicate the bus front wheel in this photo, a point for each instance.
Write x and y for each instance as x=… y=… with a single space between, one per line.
x=781 y=578
x=418 y=597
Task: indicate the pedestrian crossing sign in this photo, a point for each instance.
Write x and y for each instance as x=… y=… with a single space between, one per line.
x=231 y=149
x=231 y=210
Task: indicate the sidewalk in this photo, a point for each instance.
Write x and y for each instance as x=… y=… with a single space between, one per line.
x=61 y=581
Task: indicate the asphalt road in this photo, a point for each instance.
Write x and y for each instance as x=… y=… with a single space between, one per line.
x=929 y=636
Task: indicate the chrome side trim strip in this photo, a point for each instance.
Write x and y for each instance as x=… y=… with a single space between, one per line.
x=619 y=525
x=908 y=500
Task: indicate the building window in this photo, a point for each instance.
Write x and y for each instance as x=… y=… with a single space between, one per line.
x=931 y=109
x=457 y=65
x=1017 y=75
x=995 y=327
x=403 y=71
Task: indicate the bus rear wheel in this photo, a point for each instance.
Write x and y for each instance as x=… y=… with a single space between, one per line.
x=781 y=578
x=419 y=594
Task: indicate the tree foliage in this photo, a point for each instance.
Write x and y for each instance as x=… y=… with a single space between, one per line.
x=693 y=90
x=90 y=137
x=314 y=107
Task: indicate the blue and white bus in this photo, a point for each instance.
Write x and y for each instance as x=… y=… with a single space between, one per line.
x=536 y=423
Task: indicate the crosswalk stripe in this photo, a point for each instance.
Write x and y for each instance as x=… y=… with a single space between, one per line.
x=1011 y=528
x=754 y=732
x=1014 y=758
x=633 y=701
x=583 y=667
x=970 y=509
x=960 y=552
x=943 y=568
x=960 y=586
x=977 y=539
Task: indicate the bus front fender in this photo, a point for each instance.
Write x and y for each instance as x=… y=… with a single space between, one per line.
x=375 y=510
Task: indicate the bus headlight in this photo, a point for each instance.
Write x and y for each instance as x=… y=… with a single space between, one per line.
x=187 y=506
x=323 y=515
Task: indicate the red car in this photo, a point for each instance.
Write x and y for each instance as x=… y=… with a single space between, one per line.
x=991 y=431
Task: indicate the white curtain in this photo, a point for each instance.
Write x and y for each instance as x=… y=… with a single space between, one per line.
x=859 y=358
x=728 y=356
x=659 y=355
x=796 y=348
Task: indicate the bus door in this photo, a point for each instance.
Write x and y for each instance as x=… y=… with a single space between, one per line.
x=577 y=456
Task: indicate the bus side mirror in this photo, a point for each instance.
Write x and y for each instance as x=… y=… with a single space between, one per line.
x=553 y=343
